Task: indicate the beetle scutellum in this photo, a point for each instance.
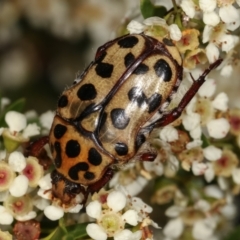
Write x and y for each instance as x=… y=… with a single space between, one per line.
x=107 y=114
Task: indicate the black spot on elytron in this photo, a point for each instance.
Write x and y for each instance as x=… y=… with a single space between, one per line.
x=121 y=148
x=63 y=101
x=168 y=42
x=104 y=70
x=128 y=42
x=87 y=92
x=89 y=175
x=58 y=158
x=154 y=102
x=72 y=148
x=94 y=157
x=141 y=69
x=119 y=118
x=59 y=131
x=136 y=94
x=102 y=121
x=163 y=70
x=73 y=171
x=129 y=59
x=140 y=140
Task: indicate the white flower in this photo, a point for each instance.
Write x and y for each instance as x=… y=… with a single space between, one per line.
x=173 y=228
x=17 y=161
x=229 y=14
x=127 y=234
x=207 y=5
x=131 y=217
x=236 y=175
x=188 y=7
x=16 y=121
x=212 y=153
x=226 y=71
x=199 y=168
x=46 y=119
x=222 y=183
x=169 y=134
x=40 y=203
x=211 y=18
x=208 y=88
x=5 y=217
x=135 y=27
x=45 y=182
x=30 y=215
x=203 y=229
x=19 y=186
x=220 y=102
x=190 y=121
x=228 y=42
x=212 y=52
x=31 y=130
x=53 y=212
x=111 y=217
x=195 y=143
x=175 y=32
x=174 y=211
x=213 y=191
x=218 y=128
x=141 y=207
x=202 y=205
x=96 y=232
x=94 y=209
x=209 y=174
x=116 y=201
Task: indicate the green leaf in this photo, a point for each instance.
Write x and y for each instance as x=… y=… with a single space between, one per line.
x=73 y=232
x=149 y=10
x=234 y=235
x=18 y=106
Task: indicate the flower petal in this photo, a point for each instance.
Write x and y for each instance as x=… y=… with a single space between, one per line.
x=131 y=217
x=212 y=153
x=53 y=213
x=174 y=228
x=218 y=128
x=135 y=27
x=175 y=32
x=94 y=209
x=207 y=5
x=169 y=134
x=116 y=201
x=96 y=232
x=228 y=14
x=19 y=186
x=17 y=161
x=16 y=121
x=211 y=18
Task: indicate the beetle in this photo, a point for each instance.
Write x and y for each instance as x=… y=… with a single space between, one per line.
x=105 y=117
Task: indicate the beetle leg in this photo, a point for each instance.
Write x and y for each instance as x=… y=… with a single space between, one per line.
x=36 y=149
x=95 y=187
x=147 y=157
x=176 y=112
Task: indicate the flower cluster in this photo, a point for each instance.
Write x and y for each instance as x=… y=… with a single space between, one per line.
x=113 y=210
x=196 y=173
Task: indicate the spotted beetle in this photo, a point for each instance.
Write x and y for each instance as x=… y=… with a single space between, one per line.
x=108 y=113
